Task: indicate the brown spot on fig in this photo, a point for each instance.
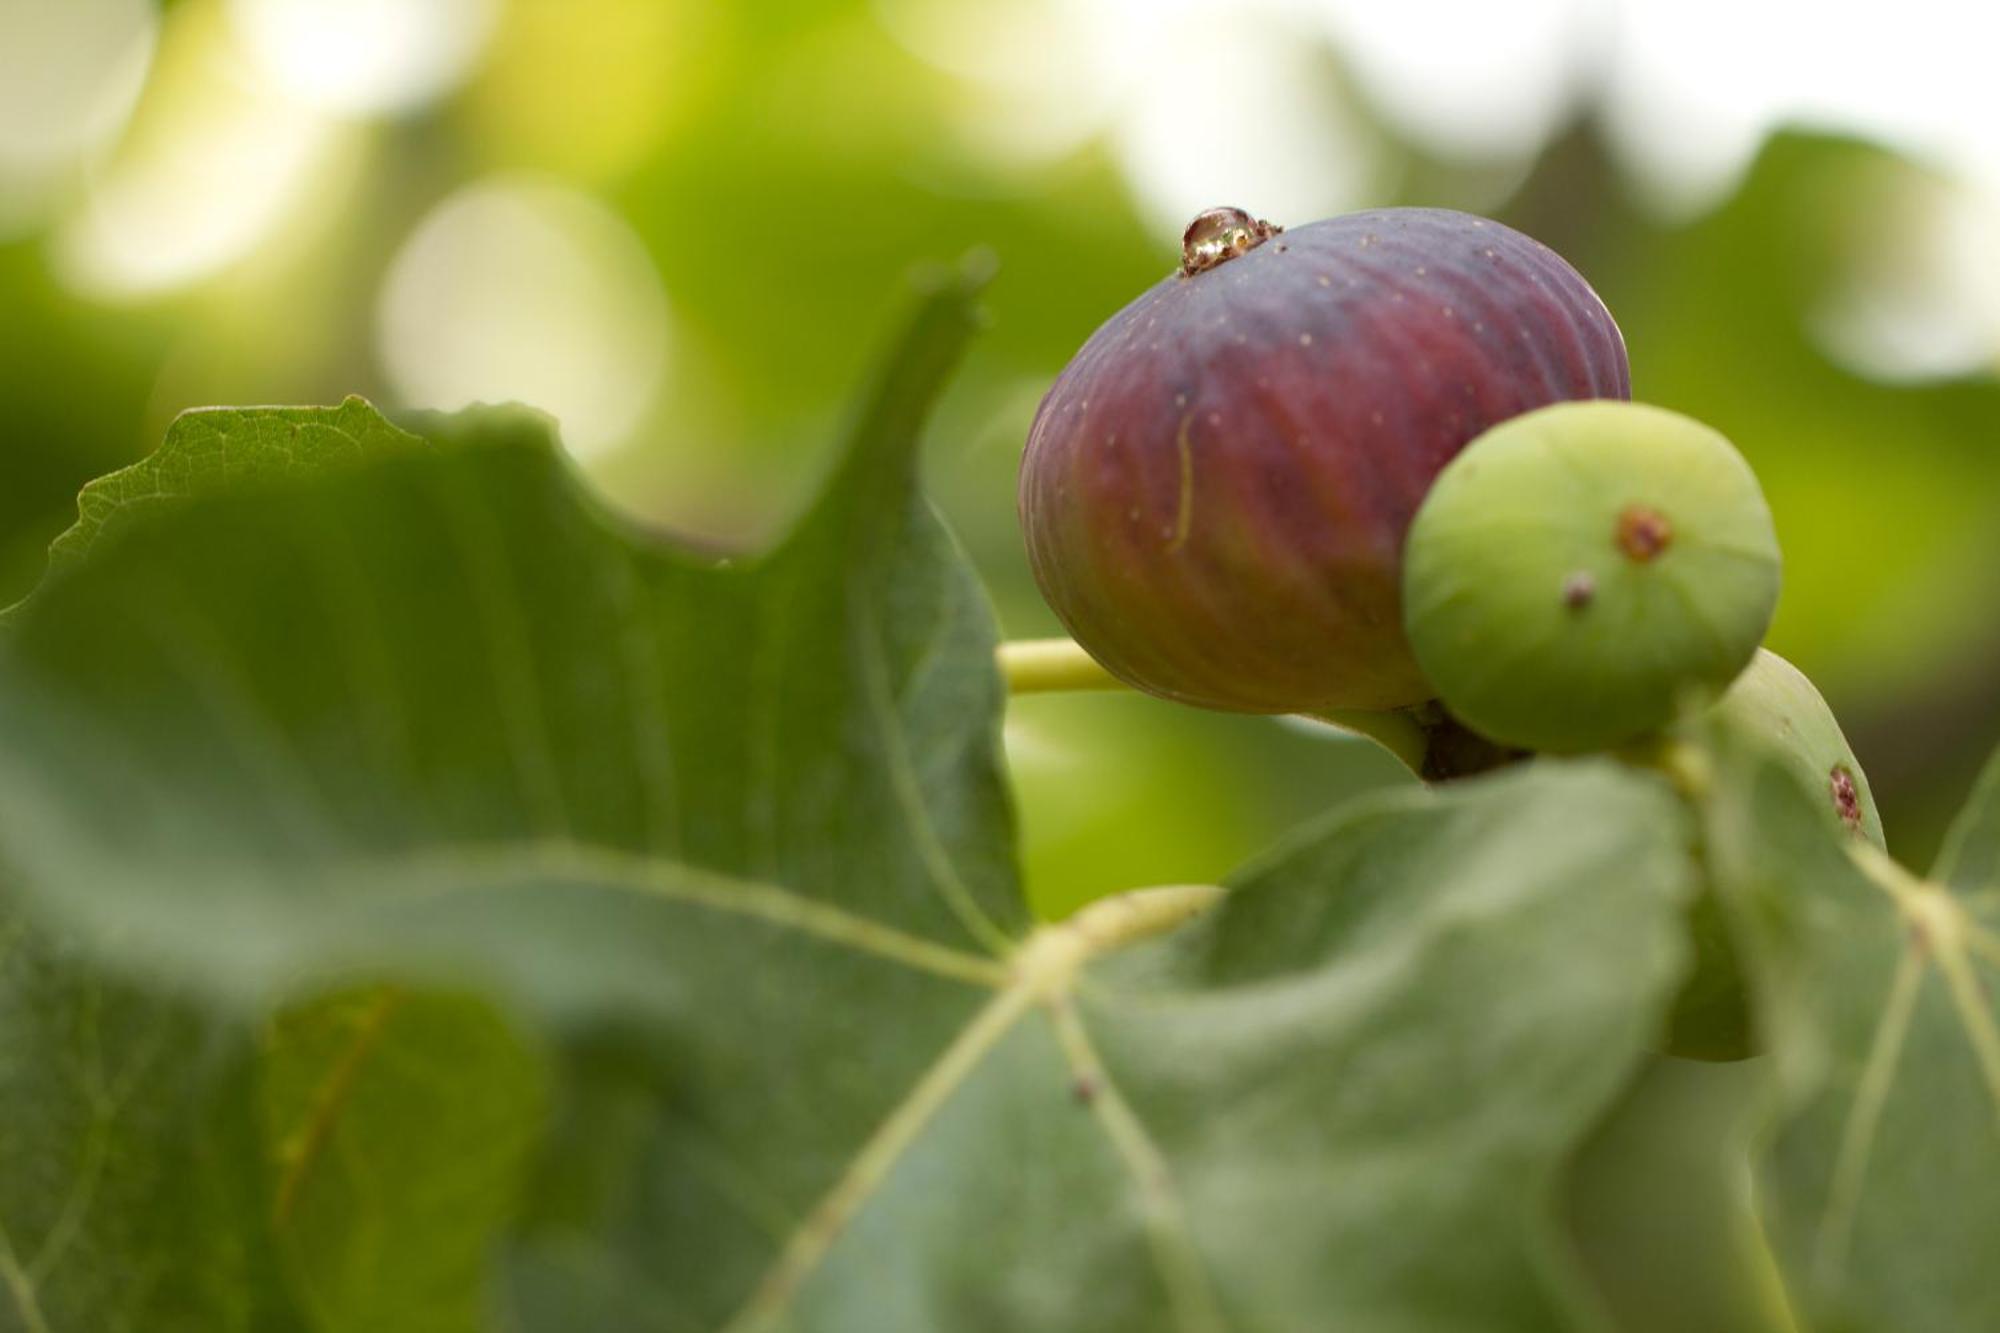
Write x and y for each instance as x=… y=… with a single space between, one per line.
x=1846 y=796
x=1083 y=1089
x=1644 y=533
x=1579 y=590
x=1220 y=234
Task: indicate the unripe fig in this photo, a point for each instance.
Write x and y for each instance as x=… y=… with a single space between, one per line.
x=1772 y=707
x=1774 y=710
x=1216 y=489
x=1579 y=570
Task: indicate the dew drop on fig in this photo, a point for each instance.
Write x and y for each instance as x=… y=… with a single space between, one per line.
x=1220 y=234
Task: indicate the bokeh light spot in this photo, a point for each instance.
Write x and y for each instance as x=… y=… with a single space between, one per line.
x=70 y=74
x=1250 y=115
x=214 y=162
x=521 y=289
x=362 y=57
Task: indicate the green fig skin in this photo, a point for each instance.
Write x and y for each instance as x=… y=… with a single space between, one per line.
x=1772 y=709
x=1581 y=571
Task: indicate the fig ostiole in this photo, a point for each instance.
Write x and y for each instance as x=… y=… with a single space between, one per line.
x=1217 y=488
x=1580 y=572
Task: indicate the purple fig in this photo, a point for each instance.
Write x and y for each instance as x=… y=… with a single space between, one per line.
x=1217 y=487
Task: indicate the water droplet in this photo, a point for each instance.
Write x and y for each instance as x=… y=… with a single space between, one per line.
x=1221 y=234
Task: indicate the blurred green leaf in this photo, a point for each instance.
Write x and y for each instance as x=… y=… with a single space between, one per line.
x=1874 y=990
x=126 y=1197
x=398 y=1126
x=221 y=449
x=734 y=832
x=1970 y=861
x=1656 y=1203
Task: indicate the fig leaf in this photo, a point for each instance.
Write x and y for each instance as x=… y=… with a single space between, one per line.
x=436 y=797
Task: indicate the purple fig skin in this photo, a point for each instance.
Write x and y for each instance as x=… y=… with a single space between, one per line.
x=1217 y=487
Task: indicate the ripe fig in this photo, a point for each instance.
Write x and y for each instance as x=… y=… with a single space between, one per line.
x=1580 y=569
x=1217 y=487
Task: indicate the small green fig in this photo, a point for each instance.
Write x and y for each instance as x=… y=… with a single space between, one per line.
x=1774 y=710
x=1579 y=570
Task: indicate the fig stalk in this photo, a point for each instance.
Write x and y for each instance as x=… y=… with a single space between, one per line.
x=1052 y=666
x=1048 y=666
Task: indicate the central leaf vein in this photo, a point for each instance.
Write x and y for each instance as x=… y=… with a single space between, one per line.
x=1175 y=1253
x=1864 y=1117
x=481 y=868
x=880 y=698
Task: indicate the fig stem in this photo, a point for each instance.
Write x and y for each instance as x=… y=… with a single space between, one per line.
x=1397 y=732
x=1044 y=666
x=1048 y=666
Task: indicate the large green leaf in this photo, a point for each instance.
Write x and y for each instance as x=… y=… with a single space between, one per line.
x=1883 y=1172
x=124 y=1200
x=732 y=834
x=397 y=1124
x=220 y=449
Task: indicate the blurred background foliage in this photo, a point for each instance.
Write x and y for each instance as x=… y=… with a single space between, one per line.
x=679 y=225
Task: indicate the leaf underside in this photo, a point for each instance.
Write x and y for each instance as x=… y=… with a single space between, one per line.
x=1882 y=1175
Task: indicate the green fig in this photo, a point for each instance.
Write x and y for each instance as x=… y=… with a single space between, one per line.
x=1579 y=571
x=1774 y=710
x=1773 y=707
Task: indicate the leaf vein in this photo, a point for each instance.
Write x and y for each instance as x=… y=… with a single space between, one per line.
x=943 y=875
x=1864 y=1117
x=1168 y=1235
x=457 y=869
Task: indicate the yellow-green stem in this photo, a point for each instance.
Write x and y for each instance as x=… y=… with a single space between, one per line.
x=1396 y=732
x=1046 y=666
